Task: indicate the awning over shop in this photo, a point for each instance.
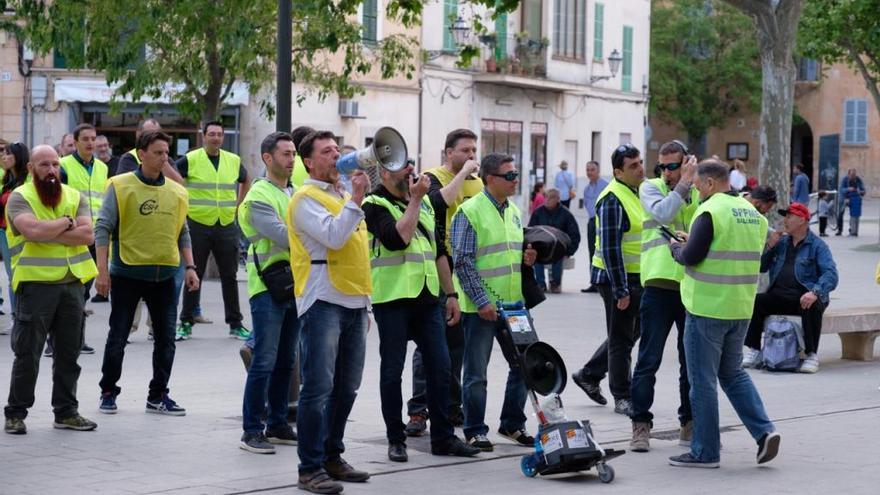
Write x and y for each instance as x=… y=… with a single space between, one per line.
x=96 y=90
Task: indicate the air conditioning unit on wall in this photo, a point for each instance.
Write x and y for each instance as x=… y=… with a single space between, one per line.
x=348 y=109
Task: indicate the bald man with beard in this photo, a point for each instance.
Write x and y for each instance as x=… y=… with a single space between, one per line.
x=50 y=229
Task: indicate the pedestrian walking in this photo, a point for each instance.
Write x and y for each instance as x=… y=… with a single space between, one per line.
x=329 y=256
x=565 y=183
x=800 y=189
x=850 y=194
x=50 y=229
x=554 y=214
x=823 y=212
x=276 y=325
x=595 y=186
x=722 y=260
x=406 y=305
x=143 y=215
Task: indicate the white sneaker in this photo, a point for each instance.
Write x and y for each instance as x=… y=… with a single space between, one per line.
x=811 y=364
x=752 y=358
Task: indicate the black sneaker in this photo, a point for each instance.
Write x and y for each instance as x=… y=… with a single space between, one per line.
x=590 y=289
x=768 y=447
x=283 y=435
x=623 y=406
x=100 y=299
x=318 y=482
x=686 y=460
x=108 y=403
x=455 y=447
x=417 y=425
x=256 y=443
x=519 y=437
x=591 y=388
x=15 y=426
x=75 y=422
x=397 y=452
x=87 y=349
x=481 y=442
x=164 y=405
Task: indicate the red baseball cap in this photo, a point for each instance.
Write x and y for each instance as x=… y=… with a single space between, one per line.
x=797 y=209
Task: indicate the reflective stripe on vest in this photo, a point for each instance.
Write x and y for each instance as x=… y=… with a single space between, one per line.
x=498 y=268
x=266 y=192
x=92 y=186
x=723 y=286
x=348 y=268
x=212 y=191
x=403 y=274
x=656 y=260
x=49 y=262
x=150 y=221
x=632 y=238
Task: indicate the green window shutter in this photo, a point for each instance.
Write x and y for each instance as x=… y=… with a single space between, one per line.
x=626 y=78
x=450 y=12
x=370 y=20
x=58 y=60
x=598 y=31
x=501 y=37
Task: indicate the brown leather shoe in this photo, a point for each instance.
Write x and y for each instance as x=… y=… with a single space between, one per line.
x=343 y=471
x=318 y=482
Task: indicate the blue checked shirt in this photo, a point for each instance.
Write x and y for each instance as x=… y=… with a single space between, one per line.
x=613 y=222
x=464 y=254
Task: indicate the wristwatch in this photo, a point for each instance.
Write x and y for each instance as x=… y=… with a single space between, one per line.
x=70 y=221
x=453 y=295
x=191 y=267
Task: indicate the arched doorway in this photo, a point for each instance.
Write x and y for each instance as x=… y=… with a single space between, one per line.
x=802 y=146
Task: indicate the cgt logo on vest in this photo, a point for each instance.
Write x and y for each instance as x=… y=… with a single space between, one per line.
x=149 y=206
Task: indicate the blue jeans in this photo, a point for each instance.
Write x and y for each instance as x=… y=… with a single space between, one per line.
x=659 y=310
x=275 y=335
x=7 y=264
x=398 y=323
x=478 y=337
x=714 y=354
x=555 y=274
x=332 y=347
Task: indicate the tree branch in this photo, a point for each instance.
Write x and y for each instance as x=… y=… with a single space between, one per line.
x=227 y=90
x=870 y=81
x=752 y=7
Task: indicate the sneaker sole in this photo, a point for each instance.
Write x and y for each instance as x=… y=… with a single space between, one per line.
x=329 y=491
x=280 y=441
x=489 y=448
x=771 y=448
x=62 y=426
x=107 y=411
x=255 y=450
x=639 y=448
x=15 y=432
x=165 y=413
x=703 y=465
x=517 y=442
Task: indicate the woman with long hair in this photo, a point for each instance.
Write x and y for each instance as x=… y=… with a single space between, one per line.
x=537 y=197
x=14 y=163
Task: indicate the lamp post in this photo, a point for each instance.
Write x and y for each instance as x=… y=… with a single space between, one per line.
x=461 y=31
x=613 y=64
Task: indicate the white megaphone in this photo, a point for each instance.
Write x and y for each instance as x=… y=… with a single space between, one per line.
x=388 y=151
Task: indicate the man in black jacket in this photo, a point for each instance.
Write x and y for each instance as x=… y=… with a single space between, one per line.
x=554 y=214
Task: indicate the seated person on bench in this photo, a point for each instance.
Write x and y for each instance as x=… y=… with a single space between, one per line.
x=802 y=275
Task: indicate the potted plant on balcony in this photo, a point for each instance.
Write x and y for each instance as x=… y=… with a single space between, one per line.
x=504 y=65
x=490 y=41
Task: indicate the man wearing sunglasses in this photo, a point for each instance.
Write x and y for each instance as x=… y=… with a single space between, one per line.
x=615 y=272
x=669 y=200
x=487 y=238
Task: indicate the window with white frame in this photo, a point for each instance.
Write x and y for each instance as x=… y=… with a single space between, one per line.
x=569 y=28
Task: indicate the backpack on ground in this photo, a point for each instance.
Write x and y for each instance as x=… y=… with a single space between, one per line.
x=783 y=343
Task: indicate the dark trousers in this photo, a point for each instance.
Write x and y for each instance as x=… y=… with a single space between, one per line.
x=41 y=310
x=222 y=242
x=823 y=224
x=566 y=203
x=614 y=356
x=424 y=324
x=772 y=303
x=125 y=293
x=455 y=347
x=88 y=285
x=659 y=310
x=591 y=243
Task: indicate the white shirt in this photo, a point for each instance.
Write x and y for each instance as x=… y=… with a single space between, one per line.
x=737 y=180
x=319 y=231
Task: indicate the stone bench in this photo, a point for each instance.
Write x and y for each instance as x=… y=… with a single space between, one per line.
x=858 y=328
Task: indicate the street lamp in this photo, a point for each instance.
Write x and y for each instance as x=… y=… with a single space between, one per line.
x=613 y=64
x=460 y=30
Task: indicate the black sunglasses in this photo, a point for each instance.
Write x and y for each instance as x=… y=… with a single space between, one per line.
x=669 y=166
x=509 y=176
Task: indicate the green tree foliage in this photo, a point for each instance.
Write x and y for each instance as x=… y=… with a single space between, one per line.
x=844 y=31
x=704 y=64
x=146 y=46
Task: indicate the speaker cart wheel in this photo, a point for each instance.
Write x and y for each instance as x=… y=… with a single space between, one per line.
x=529 y=465
x=606 y=472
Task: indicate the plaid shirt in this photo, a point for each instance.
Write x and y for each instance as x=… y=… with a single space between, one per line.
x=464 y=254
x=613 y=222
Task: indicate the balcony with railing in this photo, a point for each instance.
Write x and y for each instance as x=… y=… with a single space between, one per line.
x=518 y=55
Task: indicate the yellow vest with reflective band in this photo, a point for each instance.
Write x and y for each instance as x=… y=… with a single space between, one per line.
x=471 y=188
x=632 y=238
x=213 y=193
x=300 y=174
x=91 y=186
x=134 y=153
x=50 y=261
x=403 y=274
x=150 y=220
x=499 y=251
x=656 y=261
x=266 y=192
x=348 y=267
x=723 y=286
